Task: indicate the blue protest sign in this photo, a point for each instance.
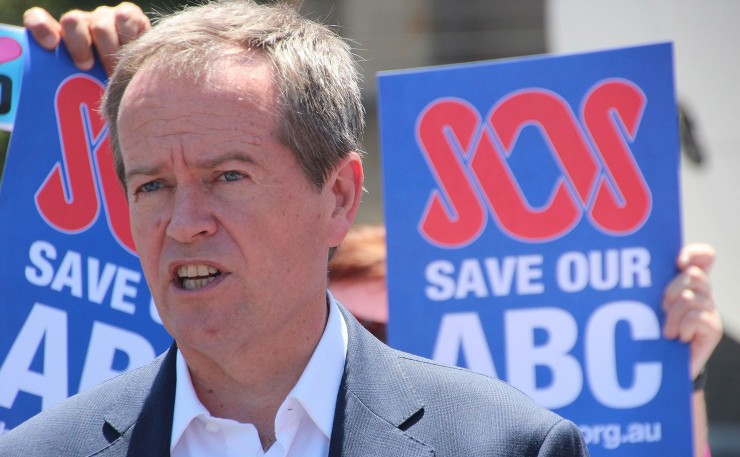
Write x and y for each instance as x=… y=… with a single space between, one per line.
x=532 y=211
x=75 y=307
x=12 y=43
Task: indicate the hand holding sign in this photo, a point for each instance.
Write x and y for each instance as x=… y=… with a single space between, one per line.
x=106 y=29
x=691 y=314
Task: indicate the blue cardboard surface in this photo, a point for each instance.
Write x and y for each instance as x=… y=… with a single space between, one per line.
x=75 y=307
x=532 y=211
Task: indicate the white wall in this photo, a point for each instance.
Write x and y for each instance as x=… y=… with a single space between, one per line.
x=706 y=39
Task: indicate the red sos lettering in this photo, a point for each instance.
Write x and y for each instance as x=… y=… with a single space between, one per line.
x=468 y=158
x=69 y=199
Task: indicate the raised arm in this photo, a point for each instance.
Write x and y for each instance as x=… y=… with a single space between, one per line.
x=692 y=317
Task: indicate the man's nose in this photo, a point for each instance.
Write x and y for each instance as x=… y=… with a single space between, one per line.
x=191 y=217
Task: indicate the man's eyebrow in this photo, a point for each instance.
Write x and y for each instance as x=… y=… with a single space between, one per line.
x=214 y=162
x=146 y=171
x=208 y=163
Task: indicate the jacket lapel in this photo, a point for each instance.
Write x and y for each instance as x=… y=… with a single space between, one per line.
x=375 y=403
x=152 y=424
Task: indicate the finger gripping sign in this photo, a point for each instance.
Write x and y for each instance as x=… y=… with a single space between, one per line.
x=532 y=208
x=75 y=308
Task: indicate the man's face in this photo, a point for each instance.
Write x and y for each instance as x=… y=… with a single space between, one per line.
x=232 y=237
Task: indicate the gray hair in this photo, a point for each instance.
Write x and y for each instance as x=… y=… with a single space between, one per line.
x=317 y=79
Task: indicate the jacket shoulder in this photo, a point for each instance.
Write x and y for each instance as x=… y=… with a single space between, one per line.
x=416 y=406
x=86 y=422
x=485 y=413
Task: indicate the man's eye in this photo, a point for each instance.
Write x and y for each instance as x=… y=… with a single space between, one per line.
x=232 y=176
x=150 y=186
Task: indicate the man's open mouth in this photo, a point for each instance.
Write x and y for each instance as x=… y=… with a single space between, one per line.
x=192 y=277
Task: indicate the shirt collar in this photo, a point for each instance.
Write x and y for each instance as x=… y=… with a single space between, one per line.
x=187 y=405
x=316 y=389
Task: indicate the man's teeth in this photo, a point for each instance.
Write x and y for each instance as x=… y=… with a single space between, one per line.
x=191 y=284
x=196 y=276
x=193 y=271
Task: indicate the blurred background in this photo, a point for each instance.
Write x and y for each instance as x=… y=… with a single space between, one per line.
x=393 y=34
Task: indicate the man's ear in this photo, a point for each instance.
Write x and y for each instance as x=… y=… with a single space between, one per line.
x=345 y=185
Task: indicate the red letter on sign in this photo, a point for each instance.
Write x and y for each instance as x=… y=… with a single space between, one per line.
x=115 y=201
x=73 y=207
x=623 y=199
x=445 y=130
x=553 y=118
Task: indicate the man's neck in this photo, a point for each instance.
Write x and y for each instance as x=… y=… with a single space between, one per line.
x=249 y=384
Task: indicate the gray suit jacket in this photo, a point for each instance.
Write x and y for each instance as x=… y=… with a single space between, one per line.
x=389 y=404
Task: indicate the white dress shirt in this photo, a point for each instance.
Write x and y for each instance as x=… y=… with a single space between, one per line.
x=304 y=420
